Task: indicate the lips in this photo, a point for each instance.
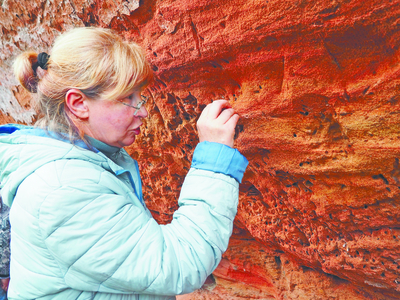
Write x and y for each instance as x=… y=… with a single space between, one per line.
x=136 y=131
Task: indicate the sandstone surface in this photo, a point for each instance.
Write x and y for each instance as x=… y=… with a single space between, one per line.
x=317 y=86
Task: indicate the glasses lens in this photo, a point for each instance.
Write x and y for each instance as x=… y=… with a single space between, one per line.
x=135 y=101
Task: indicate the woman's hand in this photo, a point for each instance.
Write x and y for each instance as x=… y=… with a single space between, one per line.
x=217 y=123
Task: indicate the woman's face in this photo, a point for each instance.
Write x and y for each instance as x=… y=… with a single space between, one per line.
x=114 y=123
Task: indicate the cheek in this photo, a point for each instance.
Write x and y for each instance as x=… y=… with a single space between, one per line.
x=120 y=119
x=114 y=117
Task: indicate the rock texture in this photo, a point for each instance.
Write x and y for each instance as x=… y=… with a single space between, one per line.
x=317 y=86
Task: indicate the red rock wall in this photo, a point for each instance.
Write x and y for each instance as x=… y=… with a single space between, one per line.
x=317 y=86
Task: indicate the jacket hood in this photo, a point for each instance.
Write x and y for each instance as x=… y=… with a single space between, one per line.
x=24 y=149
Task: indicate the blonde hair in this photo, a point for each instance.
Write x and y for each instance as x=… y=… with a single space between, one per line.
x=94 y=60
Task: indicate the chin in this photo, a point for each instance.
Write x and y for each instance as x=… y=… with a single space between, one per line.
x=128 y=141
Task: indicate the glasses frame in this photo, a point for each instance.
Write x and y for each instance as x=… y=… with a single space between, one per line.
x=139 y=105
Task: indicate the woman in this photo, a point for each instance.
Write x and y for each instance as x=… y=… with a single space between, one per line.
x=79 y=226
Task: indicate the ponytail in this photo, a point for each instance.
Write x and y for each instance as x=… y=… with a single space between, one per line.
x=25 y=72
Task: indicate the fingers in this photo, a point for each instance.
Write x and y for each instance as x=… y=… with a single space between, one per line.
x=225 y=115
x=233 y=121
x=216 y=107
x=213 y=110
x=217 y=123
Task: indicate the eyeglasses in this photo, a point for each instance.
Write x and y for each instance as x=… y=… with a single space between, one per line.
x=138 y=106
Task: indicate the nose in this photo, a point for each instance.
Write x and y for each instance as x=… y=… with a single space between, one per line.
x=142 y=112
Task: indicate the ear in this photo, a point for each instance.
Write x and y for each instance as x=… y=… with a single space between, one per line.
x=76 y=101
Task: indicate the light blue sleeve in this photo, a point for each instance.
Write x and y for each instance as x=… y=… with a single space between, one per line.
x=219 y=158
x=200 y=231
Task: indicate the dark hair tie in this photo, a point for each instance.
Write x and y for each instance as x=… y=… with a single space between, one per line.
x=42 y=60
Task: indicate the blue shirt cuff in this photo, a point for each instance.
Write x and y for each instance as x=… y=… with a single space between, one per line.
x=219 y=158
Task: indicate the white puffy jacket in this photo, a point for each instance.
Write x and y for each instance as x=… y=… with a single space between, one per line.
x=79 y=229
